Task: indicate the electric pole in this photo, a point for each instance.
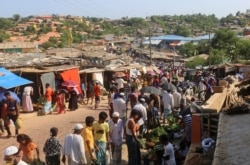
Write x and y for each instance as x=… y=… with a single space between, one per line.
x=150 y=50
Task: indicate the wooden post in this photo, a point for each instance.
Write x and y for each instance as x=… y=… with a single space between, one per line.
x=209 y=125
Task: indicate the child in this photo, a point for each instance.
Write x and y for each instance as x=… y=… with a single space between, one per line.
x=89 y=140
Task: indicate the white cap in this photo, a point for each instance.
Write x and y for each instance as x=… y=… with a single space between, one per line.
x=142 y=99
x=116 y=114
x=122 y=94
x=11 y=150
x=78 y=126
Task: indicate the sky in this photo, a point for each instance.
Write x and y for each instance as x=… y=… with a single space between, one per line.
x=115 y=9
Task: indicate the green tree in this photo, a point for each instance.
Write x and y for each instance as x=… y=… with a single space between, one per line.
x=182 y=30
x=3 y=36
x=189 y=49
x=16 y=17
x=6 y=24
x=243 y=47
x=195 y=62
x=226 y=39
x=216 y=57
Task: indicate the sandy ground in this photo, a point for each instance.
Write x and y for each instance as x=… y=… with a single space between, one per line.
x=37 y=127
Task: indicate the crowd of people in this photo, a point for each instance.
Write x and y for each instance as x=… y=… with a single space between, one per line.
x=89 y=144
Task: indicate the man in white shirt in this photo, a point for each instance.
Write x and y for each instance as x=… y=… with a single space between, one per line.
x=11 y=156
x=168 y=102
x=119 y=106
x=143 y=121
x=168 y=155
x=120 y=83
x=116 y=134
x=74 y=147
x=177 y=100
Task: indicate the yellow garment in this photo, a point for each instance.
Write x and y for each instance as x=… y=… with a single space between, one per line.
x=87 y=135
x=100 y=131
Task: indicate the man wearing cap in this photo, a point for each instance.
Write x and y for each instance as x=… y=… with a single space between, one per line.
x=115 y=135
x=74 y=147
x=12 y=157
x=119 y=106
x=143 y=121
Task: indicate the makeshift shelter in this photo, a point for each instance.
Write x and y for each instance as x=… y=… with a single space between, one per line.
x=10 y=80
x=92 y=74
x=52 y=75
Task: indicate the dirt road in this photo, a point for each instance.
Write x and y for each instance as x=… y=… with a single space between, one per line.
x=37 y=127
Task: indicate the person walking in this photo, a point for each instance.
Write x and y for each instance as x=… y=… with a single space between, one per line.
x=60 y=102
x=12 y=157
x=3 y=114
x=27 y=105
x=101 y=137
x=120 y=107
x=90 y=92
x=89 y=143
x=177 y=101
x=48 y=96
x=74 y=147
x=52 y=148
x=116 y=130
x=143 y=121
x=132 y=141
x=73 y=98
x=97 y=91
x=29 y=149
x=12 y=113
x=132 y=98
x=168 y=102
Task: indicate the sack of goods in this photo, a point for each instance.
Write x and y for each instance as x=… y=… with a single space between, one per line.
x=19 y=123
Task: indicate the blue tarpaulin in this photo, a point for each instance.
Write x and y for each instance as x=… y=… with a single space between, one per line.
x=10 y=80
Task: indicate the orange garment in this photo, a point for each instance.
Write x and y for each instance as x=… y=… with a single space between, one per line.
x=97 y=90
x=48 y=94
x=28 y=152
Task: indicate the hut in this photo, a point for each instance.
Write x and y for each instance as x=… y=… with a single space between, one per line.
x=52 y=75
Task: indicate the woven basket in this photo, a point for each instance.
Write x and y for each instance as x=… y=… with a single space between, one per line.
x=218 y=89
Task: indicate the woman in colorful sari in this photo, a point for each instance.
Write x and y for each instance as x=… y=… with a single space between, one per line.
x=60 y=102
x=101 y=137
x=133 y=143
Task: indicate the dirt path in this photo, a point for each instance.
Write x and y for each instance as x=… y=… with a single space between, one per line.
x=37 y=127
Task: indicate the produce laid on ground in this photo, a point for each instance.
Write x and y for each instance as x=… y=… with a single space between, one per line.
x=152 y=137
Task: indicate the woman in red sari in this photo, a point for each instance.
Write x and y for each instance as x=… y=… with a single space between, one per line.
x=60 y=102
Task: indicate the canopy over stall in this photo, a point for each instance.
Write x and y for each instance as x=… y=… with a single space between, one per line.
x=10 y=80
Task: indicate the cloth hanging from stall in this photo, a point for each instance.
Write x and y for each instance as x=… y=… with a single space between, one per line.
x=73 y=75
x=98 y=76
x=48 y=78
